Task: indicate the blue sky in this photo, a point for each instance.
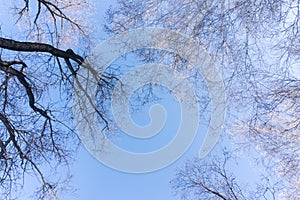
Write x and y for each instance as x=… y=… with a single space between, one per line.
x=94 y=180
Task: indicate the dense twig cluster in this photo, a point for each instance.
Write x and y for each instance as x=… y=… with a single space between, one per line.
x=35 y=86
x=254 y=43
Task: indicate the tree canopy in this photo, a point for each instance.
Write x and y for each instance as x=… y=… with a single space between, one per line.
x=254 y=43
x=37 y=66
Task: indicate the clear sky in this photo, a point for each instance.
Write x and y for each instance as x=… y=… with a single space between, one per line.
x=95 y=181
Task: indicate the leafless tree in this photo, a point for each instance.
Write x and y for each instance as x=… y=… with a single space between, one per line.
x=255 y=45
x=37 y=68
x=275 y=133
x=212 y=178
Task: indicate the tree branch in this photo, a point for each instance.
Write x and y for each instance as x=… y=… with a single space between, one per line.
x=6 y=66
x=39 y=47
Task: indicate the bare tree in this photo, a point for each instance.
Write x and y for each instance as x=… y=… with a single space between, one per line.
x=212 y=178
x=275 y=132
x=254 y=43
x=36 y=73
